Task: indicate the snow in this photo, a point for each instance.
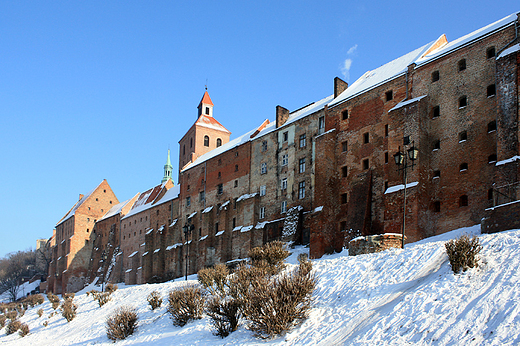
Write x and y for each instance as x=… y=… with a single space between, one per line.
x=510 y=50
x=246 y=196
x=156 y=250
x=149 y=231
x=511 y=159
x=203 y=237
x=406 y=102
x=192 y=215
x=133 y=254
x=237 y=228
x=116 y=209
x=395 y=297
x=207 y=210
x=501 y=205
x=261 y=225
x=324 y=133
x=173 y=246
x=219 y=233
x=224 y=205
x=173 y=223
x=246 y=228
x=317 y=209
x=400 y=187
x=146 y=253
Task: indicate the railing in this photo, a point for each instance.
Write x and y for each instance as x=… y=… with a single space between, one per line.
x=506 y=194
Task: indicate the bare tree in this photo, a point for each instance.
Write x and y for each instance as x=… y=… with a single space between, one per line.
x=13 y=268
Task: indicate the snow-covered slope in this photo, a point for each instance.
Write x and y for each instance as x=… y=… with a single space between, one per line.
x=397 y=297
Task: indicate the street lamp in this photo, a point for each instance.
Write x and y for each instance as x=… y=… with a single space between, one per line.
x=401 y=160
x=187 y=228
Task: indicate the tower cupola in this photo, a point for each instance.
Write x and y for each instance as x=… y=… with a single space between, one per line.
x=205 y=106
x=168 y=168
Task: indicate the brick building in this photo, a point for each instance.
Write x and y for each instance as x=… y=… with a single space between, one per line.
x=73 y=247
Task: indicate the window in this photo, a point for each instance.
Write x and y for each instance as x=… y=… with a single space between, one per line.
x=264 y=145
x=285 y=136
x=206 y=141
x=235 y=203
x=490 y=52
x=436 y=174
x=220 y=189
x=219 y=175
x=234 y=222
x=236 y=168
x=188 y=201
x=191 y=142
x=216 y=227
x=386 y=130
x=490 y=194
x=366 y=138
x=219 y=162
x=188 y=188
x=262 y=213
x=463 y=201
x=236 y=183
x=344 y=198
x=491 y=90
x=436 y=112
x=435 y=76
x=183 y=150
x=344 y=146
x=463 y=102
x=365 y=164
x=263 y=190
x=389 y=95
x=219 y=142
x=386 y=157
x=344 y=115
x=283 y=207
x=462 y=65
x=283 y=184
x=285 y=159
x=236 y=153
x=437 y=206
x=492 y=126
x=321 y=125
x=492 y=158
x=463 y=167
x=302 y=165
x=263 y=168
x=303 y=140
x=463 y=136
x=207 y=110
x=301 y=190
x=344 y=171
x=436 y=145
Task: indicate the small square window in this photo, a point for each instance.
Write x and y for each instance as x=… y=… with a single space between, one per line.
x=463 y=102
x=463 y=201
x=491 y=90
x=344 y=198
x=436 y=112
x=236 y=183
x=219 y=175
x=436 y=145
x=492 y=126
x=490 y=52
x=492 y=158
x=386 y=157
x=365 y=164
x=344 y=171
x=236 y=168
x=321 y=125
x=435 y=76
x=262 y=213
x=301 y=165
x=366 y=138
x=264 y=145
x=462 y=65
x=437 y=206
x=344 y=115
x=220 y=189
x=386 y=130
x=301 y=190
x=263 y=168
x=283 y=184
x=389 y=95
x=463 y=136
x=285 y=159
x=463 y=167
x=344 y=146
x=436 y=174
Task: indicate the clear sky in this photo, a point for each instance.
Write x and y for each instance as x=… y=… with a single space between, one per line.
x=93 y=90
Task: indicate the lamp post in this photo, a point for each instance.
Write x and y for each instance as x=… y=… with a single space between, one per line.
x=402 y=159
x=187 y=228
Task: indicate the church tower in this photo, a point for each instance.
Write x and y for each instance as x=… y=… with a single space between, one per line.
x=203 y=136
x=168 y=168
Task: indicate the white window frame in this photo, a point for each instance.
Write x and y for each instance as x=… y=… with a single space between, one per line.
x=263 y=190
x=283 y=184
x=303 y=140
x=301 y=164
x=261 y=214
x=283 y=207
x=301 y=190
x=285 y=159
x=263 y=168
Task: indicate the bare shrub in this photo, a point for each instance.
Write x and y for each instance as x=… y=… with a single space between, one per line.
x=101 y=297
x=2 y=321
x=12 y=327
x=214 y=279
x=45 y=323
x=225 y=313
x=40 y=312
x=68 y=309
x=54 y=299
x=34 y=299
x=24 y=330
x=12 y=315
x=154 y=299
x=110 y=288
x=185 y=304
x=68 y=296
x=462 y=252
x=122 y=323
x=271 y=256
x=288 y=299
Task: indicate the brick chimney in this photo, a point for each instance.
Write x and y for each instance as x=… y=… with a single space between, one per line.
x=282 y=114
x=80 y=196
x=339 y=86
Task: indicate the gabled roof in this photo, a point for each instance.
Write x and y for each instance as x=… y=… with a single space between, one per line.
x=210 y=122
x=72 y=211
x=146 y=199
x=206 y=99
x=116 y=209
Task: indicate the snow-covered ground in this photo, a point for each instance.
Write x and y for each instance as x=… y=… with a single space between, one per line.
x=397 y=297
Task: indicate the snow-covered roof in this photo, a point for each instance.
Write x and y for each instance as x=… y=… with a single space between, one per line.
x=116 y=209
x=396 y=188
x=246 y=228
x=510 y=50
x=406 y=102
x=148 y=198
x=171 y=194
x=210 y=122
x=219 y=233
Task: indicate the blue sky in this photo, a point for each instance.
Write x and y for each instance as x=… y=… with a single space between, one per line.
x=97 y=90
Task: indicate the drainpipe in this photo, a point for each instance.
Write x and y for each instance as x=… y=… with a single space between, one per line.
x=517 y=28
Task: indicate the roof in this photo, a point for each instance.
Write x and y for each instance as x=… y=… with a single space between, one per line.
x=210 y=122
x=145 y=200
x=116 y=209
x=72 y=211
x=206 y=99
x=171 y=194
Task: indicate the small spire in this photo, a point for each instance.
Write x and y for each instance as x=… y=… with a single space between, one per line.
x=168 y=168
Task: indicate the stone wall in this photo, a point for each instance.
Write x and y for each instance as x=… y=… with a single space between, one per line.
x=374 y=243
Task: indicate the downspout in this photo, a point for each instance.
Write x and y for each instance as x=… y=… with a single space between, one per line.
x=205 y=176
x=517 y=28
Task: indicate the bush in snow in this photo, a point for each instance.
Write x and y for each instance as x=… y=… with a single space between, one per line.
x=12 y=315
x=462 y=253
x=101 y=297
x=40 y=312
x=24 y=330
x=69 y=296
x=12 y=327
x=154 y=299
x=68 y=309
x=288 y=299
x=270 y=256
x=185 y=304
x=110 y=288
x=2 y=321
x=34 y=299
x=122 y=323
x=54 y=299
x=213 y=279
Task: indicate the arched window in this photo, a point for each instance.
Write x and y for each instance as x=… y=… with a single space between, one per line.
x=206 y=141
x=219 y=142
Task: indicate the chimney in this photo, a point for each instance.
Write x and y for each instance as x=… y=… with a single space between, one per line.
x=282 y=114
x=339 y=86
x=80 y=196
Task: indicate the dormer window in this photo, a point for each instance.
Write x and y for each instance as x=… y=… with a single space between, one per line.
x=207 y=110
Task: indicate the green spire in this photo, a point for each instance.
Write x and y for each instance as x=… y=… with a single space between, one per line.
x=167 y=169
